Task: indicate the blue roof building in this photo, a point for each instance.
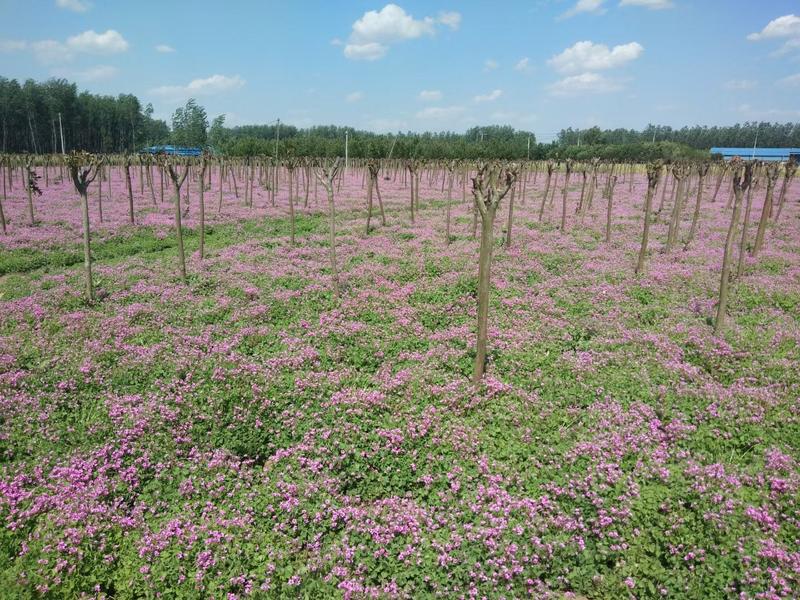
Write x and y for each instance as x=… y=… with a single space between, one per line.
x=766 y=154
x=172 y=150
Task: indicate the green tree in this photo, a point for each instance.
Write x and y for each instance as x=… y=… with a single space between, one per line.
x=190 y=125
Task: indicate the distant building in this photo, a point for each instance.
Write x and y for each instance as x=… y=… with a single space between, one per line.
x=767 y=154
x=173 y=150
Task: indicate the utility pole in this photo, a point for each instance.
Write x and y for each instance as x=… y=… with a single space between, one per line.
x=755 y=143
x=61 y=129
x=529 y=147
x=346 y=156
x=277 y=138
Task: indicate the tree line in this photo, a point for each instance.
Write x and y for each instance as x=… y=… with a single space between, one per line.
x=701 y=137
x=33 y=116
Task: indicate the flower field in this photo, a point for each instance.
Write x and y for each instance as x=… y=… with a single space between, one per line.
x=248 y=434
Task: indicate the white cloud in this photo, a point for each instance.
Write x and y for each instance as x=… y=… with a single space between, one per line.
x=790 y=81
x=354 y=97
x=108 y=42
x=651 y=4
x=768 y=113
x=370 y=51
x=585 y=83
x=490 y=64
x=376 y=30
x=522 y=65
x=73 y=5
x=440 y=112
x=430 y=95
x=737 y=85
x=55 y=52
x=585 y=6
x=96 y=73
x=490 y=97
x=164 y=48
x=450 y=19
x=588 y=56
x=12 y=45
x=785 y=26
x=216 y=84
x=337 y=42
x=51 y=52
x=787 y=47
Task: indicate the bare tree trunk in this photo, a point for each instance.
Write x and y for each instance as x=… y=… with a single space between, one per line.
x=679 y=174
x=291 y=205
x=490 y=185
x=610 y=193
x=221 y=182
x=380 y=201
x=564 y=198
x=127 y=165
x=29 y=188
x=790 y=168
x=87 y=250
x=369 y=204
x=177 y=182
x=772 y=176
x=203 y=166
x=484 y=273
x=738 y=187
x=2 y=214
x=149 y=184
x=100 y=192
x=546 y=190
x=510 y=223
x=702 y=169
x=653 y=172
x=667 y=172
x=743 y=241
x=720 y=177
x=327 y=176
x=448 y=202
x=235 y=187
x=81 y=178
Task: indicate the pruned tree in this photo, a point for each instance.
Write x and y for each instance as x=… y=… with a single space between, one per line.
x=171 y=164
x=680 y=174
x=373 y=168
x=549 y=166
x=722 y=169
x=292 y=163
x=742 y=174
x=127 y=164
x=83 y=168
x=203 y=167
x=101 y=159
x=748 y=205
x=31 y=186
x=612 y=183
x=789 y=170
x=489 y=186
x=702 y=170
x=568 y=168
x=653 y=173
x=451 y=168
x=326 y=173
x=771 y=173
x=413 y=170
x=3 y=162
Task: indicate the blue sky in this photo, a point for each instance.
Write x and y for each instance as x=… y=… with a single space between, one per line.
x=539 y=65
